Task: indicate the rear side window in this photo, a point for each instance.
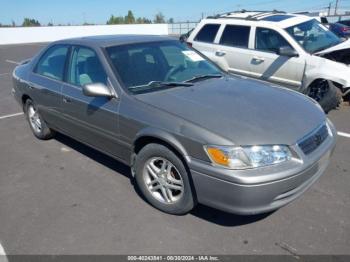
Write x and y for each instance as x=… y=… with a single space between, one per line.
x=208 y=33
x=235 y=35
x=269 y=40
x=52 y=63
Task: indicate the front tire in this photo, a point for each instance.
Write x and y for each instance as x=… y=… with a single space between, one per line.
x=326 y=94
x=163 y=180
x=36 y=122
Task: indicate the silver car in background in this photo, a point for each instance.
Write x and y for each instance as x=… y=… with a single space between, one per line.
x=190 y=132
x=295 y=51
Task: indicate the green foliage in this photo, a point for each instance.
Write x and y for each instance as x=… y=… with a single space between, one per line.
x=170 y=20
x=143 y=20
x=129 y=19
x=114 y=20
x=159 y=18
x=30 y=22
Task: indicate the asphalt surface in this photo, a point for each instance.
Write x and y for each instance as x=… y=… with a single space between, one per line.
x=61 y=197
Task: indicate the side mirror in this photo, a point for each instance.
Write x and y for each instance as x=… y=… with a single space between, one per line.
x=287 y=51
x=183 y=38
x=97 y=89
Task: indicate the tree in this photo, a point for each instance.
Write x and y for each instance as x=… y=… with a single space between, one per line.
x=159 y=18
x=129 y=18
x=50 y=24
x=30 y=22
x=143 y=20
x=115 y=20
x=111 y=20
x=171 y=21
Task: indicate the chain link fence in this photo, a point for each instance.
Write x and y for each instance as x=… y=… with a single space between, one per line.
x=336 y=18
x=180 y=28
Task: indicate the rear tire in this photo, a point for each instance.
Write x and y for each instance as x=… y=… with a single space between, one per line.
x=36 y=122
x=326 y=94
x=163 y=180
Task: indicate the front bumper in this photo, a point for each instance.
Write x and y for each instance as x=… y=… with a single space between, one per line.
x=250 y=192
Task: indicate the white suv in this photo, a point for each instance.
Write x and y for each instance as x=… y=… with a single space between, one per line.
x=289 y=49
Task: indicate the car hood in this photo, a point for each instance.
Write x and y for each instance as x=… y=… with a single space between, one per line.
x=244 y=111
x=341 y=46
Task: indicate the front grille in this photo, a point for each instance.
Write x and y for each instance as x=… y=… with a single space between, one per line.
x=311 y=142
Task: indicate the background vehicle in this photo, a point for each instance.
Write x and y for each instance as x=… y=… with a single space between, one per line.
x=340 y=29
x=190 y=132
x=292 y=50
x=344 y=22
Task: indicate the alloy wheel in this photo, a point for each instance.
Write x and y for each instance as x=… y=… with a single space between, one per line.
x=34 y=119
x=163 y=180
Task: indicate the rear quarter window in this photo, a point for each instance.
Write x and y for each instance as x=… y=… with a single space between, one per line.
x=207 y=33
x=236 y=36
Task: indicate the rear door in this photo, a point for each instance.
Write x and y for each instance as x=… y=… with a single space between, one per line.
x=266 y=64
x=232 y=52
x=93 y=120
x=204 y=40
x=45 y=82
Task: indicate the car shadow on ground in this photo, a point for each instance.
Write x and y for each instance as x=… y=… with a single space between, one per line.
x=202 y=212
x=225 y=219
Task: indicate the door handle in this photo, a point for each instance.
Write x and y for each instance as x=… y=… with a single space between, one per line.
x=220 y=53
x=30 y=85
x=66 y=100
x=258 y=59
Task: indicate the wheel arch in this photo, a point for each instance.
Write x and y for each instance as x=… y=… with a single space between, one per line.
x=24 y=99
x=316 y=76
x=154 y=135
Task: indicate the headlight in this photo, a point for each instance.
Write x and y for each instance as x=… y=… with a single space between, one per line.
x=248 y=156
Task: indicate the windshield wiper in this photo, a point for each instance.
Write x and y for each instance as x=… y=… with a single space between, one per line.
x=202 y=77
x=156 y=84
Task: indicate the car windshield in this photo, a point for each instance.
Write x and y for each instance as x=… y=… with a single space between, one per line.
x=166 y=63
x=313 y=36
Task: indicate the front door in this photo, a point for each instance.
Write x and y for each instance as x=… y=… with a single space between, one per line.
x=266 y=64
x=93 y=120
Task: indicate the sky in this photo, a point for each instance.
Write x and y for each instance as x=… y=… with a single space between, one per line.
x=98 y=11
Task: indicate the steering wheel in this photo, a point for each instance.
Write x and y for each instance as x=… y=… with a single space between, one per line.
x=172 y=71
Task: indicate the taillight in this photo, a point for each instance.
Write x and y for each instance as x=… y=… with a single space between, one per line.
x=345 y=29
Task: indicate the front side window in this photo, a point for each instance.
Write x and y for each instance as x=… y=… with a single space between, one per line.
x=52 y=63
x=167 y=61
x=313 y=36
x=86 y=68
x=269 y=40
x=236 y=36
x=208 y=33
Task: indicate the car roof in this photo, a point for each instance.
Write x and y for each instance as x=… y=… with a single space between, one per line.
x=114 y=40
x=273 y=18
